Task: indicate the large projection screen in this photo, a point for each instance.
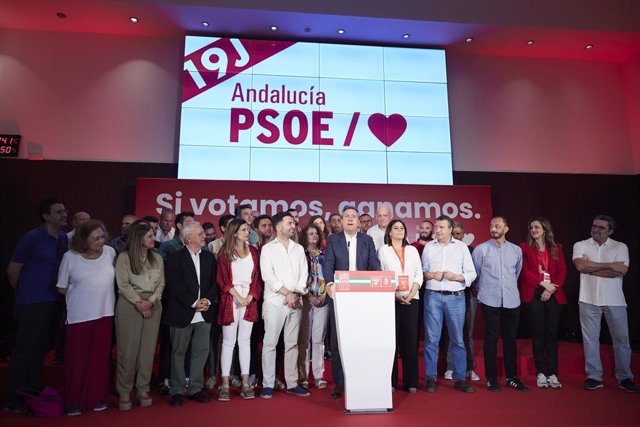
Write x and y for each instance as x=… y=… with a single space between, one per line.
x=312 y=112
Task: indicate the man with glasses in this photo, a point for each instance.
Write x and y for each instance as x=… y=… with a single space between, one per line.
x=33 y=273
x=602 y=263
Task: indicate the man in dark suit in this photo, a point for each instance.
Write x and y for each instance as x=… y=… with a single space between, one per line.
x=193 y=297
x=347 y=250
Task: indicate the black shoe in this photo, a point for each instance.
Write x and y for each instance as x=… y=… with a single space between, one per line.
x=628 y=385
x=176 y=400
x=199 y=397
x=462 y=386
x=430 y=386
x=591 y=384
x=337 y=392
x=516 y=384
x=492 y=385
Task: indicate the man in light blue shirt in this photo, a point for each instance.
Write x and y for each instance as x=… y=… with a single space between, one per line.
x=448 y=270
x=498 y=264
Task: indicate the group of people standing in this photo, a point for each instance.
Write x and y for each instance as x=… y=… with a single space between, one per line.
x=267 y=280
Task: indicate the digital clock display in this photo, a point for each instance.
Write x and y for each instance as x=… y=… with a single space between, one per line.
x=9 y=145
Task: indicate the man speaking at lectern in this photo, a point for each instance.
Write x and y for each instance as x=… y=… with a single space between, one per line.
x=348 y=250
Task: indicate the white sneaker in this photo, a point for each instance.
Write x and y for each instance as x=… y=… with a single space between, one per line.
x=553 y=382
x=448 y=374
x=541 y=381
x=472 y=375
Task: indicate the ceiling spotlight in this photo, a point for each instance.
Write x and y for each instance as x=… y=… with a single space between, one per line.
x=134 y=19
x=340 y=31
x=468 y=39
x=406 y=36
x=530 y=42
x=589 y=46
x=61 y=15
x=274 y=28
x=205 y=23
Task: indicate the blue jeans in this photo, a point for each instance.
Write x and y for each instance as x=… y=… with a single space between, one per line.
x=616 y=317
x=452 y=308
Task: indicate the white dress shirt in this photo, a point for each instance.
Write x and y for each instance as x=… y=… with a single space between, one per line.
x=352 y=246
x=161 y=236
x=377 y=234
x=596 y=290
x=195 y=257
x=453 y=256
x=283 y=267
x=390 y=261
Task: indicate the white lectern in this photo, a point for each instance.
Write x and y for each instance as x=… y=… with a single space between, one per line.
x=364 y=307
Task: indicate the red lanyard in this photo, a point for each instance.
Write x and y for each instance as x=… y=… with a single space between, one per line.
x=400 y=258
x=544 y=260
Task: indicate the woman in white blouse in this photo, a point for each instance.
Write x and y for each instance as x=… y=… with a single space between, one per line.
x=86 y=279
x=398 y=256
x=140 y=278
x=240 y=282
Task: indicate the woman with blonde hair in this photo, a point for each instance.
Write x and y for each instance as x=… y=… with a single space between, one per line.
x=240 y=283
x=140 y=278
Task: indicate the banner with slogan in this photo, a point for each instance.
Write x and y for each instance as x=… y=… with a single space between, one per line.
x=208 y=199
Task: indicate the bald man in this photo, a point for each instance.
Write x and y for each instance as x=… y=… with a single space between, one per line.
x=383 y=216
x=79 y=218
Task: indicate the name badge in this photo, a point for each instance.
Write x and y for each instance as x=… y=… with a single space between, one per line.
x=403 y=283
x=546 y=277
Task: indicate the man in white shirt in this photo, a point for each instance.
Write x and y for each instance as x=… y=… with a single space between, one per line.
x=383 y=216
x=284 y=270
x=79 y=218
x=602 y=263
x=190 y=309
x=166 y=230
x=448 y=270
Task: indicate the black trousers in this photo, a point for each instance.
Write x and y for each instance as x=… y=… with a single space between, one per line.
x=407 y=317
x=33 y=326
x=497 y=320
x=544 y=318
x=336 y=362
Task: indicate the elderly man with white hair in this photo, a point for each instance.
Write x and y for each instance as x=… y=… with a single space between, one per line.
x=190 y=310
x=383 y=216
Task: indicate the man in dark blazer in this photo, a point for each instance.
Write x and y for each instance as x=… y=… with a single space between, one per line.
x=340 y=255
x=190 y=309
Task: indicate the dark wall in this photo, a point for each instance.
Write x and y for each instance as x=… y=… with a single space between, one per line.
x=107 y=191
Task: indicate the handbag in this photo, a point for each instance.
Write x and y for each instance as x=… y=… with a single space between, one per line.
x=47 y=403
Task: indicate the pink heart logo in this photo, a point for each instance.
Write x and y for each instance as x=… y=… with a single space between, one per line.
x=387 y=129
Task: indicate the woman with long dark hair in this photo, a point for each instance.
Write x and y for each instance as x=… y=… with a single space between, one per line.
x=86 y=279
x=240 y=288
x=140 y=279
x=398 y=256
x=315 y=312
x=541 y=280
x=319 y=222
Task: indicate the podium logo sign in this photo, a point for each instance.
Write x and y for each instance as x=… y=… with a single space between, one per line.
x=272 y=110
x=343 y=282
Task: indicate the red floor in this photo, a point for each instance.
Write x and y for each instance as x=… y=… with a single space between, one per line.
x=570 y=406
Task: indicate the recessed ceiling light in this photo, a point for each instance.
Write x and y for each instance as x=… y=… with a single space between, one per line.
x=205 y=23
x=530 y=42
x=468 y=39
x=134 y=19
x=61 y=15
x=340 y=31
x=274 y=28
x=589 y=46
x=406 y=36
